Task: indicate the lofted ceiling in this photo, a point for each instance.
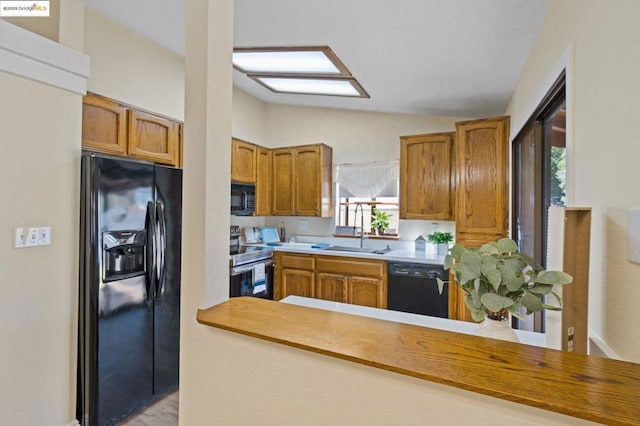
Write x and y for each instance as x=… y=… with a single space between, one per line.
x=437 y=57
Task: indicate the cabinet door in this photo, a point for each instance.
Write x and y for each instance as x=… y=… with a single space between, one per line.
x=104 y=125
x=243 y=161
x=331 y=287
x=366 y=291
x=180 y=145
x=481 y=206
x=153 y=138
x=263 y=182
x=425 y=176
x=297 y=283
x=307 y=181
x=283 y=171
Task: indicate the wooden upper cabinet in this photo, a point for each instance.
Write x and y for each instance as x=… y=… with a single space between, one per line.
x=243 y=161
x=115 y=128
x=481 y=201
x=104 y=125
x=426 y=184
x=307 y=181
x=181 y=145
x=263 y=182
x=313 y=190
x=154 y=138
x=283 y=161
x=302 y=181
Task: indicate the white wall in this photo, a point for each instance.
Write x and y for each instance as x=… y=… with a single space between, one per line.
x=130 y=68
x=255 y=382
x=39 y=186
x=603 y=151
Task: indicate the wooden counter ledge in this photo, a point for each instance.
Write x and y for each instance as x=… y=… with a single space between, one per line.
x=591 y=388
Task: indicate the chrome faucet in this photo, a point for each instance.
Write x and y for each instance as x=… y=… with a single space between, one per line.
x=355 y=217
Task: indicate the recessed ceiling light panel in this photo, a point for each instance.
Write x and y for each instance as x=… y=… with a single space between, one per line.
x=284 y=62
x=288 y=60
x=313 y=86
x=310 y=70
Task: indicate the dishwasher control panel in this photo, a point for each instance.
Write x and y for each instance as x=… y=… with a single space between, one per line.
x=416 y=270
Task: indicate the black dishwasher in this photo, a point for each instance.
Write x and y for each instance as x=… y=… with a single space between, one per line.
x=412 y=288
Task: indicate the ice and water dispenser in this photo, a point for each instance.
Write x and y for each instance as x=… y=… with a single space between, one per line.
x=123 y=254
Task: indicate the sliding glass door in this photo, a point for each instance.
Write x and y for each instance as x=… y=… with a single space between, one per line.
x=539 y=180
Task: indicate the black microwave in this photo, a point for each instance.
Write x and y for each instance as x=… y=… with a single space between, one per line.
x=243 y=199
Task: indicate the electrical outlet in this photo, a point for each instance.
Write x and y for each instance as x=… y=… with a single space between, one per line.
x=570 y=335
x=303 y=224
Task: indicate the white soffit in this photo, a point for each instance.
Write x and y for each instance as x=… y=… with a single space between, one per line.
x=32 y=56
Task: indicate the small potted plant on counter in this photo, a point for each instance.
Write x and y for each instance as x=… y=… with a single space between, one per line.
x=499 y=280
x=380 y=221
x=441 y=241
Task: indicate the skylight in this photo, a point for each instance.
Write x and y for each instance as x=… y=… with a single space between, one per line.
x=284 y=62
x=312 y=86
x=309 y=70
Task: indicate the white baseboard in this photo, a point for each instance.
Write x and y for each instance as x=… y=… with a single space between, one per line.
x=599 y=347
x=74 y=422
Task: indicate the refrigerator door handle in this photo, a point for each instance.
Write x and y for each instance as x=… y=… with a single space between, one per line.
x=162 y=246
x=151 y=252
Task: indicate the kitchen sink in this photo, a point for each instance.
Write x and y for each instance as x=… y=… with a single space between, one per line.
x=359 y=249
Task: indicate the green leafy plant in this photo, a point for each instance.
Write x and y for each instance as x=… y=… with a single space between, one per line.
x=440 y=237
x=380 y=220
x=498 y=279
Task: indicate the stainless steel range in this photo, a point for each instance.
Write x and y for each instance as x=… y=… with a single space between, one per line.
x=250 y=268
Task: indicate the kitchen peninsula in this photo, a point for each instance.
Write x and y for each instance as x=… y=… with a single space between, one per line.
x=589 y=388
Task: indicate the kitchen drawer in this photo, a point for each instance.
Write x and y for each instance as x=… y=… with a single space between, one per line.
x=351 y=266
x=298 y=261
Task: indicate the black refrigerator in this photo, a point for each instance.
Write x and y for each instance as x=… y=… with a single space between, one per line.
x=129 y=295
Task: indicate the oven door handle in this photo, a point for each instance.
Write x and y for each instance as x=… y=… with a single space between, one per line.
x=237 y=270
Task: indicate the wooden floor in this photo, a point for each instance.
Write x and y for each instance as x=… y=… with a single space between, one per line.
x=163 y=412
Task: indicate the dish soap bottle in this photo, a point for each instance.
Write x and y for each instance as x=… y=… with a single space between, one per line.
x=282 y=232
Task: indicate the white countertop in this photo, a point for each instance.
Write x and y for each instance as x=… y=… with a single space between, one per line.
x=526 y=337
x=397 y=255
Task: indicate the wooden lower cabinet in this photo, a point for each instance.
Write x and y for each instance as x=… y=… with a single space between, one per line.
x=297 y=282
x=335 y=278
x=366 y=291
x=294 y=275
x=333 y=287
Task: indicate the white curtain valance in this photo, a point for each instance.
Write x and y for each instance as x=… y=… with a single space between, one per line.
x=368 y=180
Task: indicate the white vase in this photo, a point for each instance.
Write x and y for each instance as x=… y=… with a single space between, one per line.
x=496 y=329
x=442 y=249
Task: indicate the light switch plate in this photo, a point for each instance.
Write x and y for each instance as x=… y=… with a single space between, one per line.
x=32 y=237
x=20 y=239
x=44 y=236
x=633 y=235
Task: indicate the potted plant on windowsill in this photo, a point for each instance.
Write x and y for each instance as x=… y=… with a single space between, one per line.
x=441 y=241
x=498 y=281
x=380 y=221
